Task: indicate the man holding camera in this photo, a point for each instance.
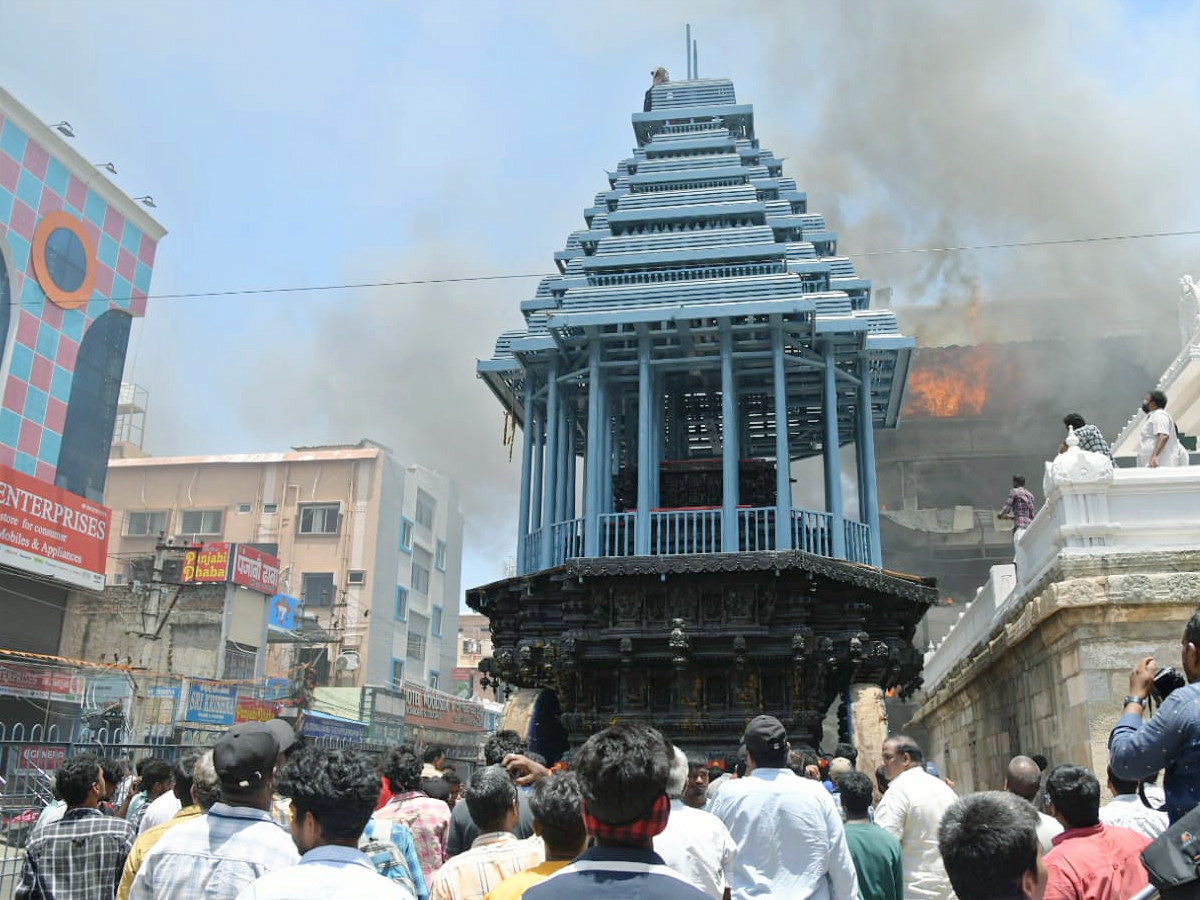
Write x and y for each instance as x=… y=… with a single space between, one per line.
x=1170 y=739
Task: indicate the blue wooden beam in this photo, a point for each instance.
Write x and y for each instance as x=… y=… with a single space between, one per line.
x=644 y=440
x=729 y=448
x=783 y=468
x=833 y=470
x=591 y=475
x=526 y=467
x=550 y=491
x=868 y=493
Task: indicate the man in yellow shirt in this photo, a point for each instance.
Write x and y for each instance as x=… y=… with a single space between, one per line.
x=198 y=788
x=558 y=820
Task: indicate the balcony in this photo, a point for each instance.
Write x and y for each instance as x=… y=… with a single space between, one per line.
x=696 y=530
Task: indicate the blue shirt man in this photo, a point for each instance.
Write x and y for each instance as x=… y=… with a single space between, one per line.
x=1170 y=740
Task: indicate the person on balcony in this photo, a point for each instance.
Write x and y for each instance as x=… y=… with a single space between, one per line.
x=1159 y=444
x=1090 y=437
x=1019 y=507
x=660 y=77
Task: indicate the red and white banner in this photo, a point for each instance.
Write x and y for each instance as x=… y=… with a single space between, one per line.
x=254 y=569
x=41 y=684
x=51 y=532
x=249 y=709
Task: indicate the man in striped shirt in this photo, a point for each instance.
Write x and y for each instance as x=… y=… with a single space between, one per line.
x=497 y=853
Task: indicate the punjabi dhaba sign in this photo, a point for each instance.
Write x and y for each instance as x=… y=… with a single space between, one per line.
x=51 y=532
x=236 y=563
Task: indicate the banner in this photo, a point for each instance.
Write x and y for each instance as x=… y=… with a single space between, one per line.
x=41 y=684
x=210 y=703
x=206 y=564
x=41 y=759
x=284 y=610
x=249 y=709
x=51 y=532
x=317 y=726
x=254 y=569
x=433 y=709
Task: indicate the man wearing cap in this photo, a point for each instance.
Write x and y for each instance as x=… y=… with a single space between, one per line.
x=216 y=855
x=789 y=834
x=912 y=810
x=622 y=774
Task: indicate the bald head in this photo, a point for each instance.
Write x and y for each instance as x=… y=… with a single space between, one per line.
x=1023 y=777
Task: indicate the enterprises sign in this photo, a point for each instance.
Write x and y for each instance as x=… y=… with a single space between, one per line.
x=218 y=563
x=51 y=532
x=38 y=683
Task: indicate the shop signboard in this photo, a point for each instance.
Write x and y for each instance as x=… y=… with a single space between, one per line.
x=250 y=709
x=211 y=703
x=433 y=709
x=254 y=569
x=51 y=532
x=329 y=727
x=41 y=759
x=284 y=611
x=206 y=564
x=41 y=683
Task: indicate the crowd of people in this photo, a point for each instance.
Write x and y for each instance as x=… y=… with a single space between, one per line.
x=628 y=815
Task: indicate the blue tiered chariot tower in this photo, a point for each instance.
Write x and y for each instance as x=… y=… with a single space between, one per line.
x=701 y=340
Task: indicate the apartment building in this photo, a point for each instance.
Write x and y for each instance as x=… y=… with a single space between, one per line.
x=371 y=547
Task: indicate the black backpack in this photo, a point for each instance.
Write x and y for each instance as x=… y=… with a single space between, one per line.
x=1173 y=859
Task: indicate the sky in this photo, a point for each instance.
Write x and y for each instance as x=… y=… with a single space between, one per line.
x=309 y=144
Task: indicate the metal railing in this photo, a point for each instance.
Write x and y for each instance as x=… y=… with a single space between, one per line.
x=756 y=529
x=616 y=534
x=568 y=540
x=532 y=552
x=858 y=541
x=812 y=532
x=676 y=531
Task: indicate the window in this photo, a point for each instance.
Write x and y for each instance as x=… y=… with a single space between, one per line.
x=422 y=560
x=66 y=259
x=397 y=674
x=406 y=532
x=401 y=603
x=358 y=576
x=434 y=678
x=270 y=509
x=239 y=661
x=200 y=521
x=418 y=628
x=243 y=508
x=145 y=523
x=319 y=518
x=436 y=621
x=439 y=560
x=426 y=506
x=472 y=647
x=316 y=589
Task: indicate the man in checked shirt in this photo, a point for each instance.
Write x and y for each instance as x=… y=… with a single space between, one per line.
x=1019 y=507
x=80 y=856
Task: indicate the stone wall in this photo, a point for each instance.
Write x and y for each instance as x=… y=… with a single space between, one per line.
x=107 y=629
x=1051 y=677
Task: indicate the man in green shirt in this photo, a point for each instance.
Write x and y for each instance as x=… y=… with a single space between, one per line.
x=876 y=853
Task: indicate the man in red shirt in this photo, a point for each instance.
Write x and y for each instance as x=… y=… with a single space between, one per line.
x=1090 y=860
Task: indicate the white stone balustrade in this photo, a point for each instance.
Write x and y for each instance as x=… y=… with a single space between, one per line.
x=1090 y=508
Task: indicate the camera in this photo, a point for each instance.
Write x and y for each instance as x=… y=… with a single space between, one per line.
x=1165 y=681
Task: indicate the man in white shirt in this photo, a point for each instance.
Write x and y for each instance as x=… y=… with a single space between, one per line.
x=1024 y=778
x=695 y=843
x=333 y=793
x=912 y=810
x=1126 y=809
x=215 y=855
x=1159 y=443
x=163 y=809
x=790 y=838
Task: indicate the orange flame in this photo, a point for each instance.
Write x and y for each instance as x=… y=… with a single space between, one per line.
x=952 y=382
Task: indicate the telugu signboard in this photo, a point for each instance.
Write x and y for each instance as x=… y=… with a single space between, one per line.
x=51 y=532
x=41 y=684
x=423 y=706
x=211 y=703
x=206 y=564
x=254 y=569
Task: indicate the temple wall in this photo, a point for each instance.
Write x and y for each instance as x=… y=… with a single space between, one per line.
x=1050 y=679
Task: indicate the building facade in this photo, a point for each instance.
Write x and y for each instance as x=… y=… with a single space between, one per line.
x=474 y=646
x=371 y=548
x=76 y=256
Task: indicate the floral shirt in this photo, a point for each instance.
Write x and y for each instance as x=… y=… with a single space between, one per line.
x=429 y=822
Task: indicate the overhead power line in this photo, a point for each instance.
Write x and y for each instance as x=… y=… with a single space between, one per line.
x=418 y=282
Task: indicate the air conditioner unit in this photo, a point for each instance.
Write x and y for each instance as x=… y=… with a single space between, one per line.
x=347 y=661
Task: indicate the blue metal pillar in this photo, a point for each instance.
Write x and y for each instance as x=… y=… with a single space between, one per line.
x=868 y=493
x=535 y=501
x=526 y=468
x=550 y=492
x=563 y=447
x=591 y=475
x=656 y=431
x=729 y=446
x=572 y=461
x=833 y=470
x=645 y=438
x=783 y=456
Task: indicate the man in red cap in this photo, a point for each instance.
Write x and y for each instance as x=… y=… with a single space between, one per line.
x=789 y=834
x=237 y=842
